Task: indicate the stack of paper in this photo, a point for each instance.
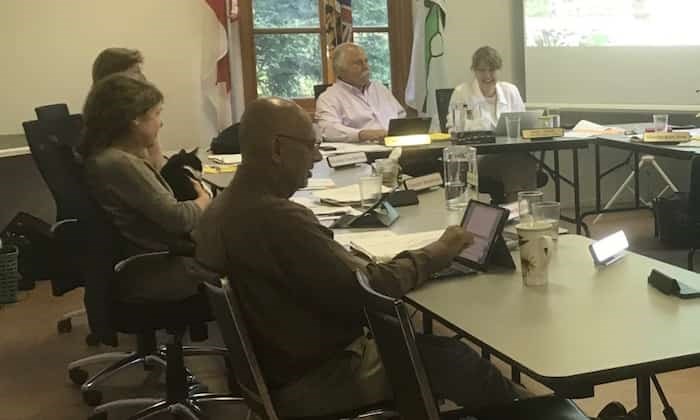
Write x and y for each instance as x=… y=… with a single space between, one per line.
x=586 y=128
x=322 y=210
x=319 y=184
x=342 y=148
x=343 y=196
x=382 y=246
x=226 y=159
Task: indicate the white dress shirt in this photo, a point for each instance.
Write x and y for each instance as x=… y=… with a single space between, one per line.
x=343 y=110
x=483 y=117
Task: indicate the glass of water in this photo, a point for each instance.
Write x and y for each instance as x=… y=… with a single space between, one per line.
x=548 y=212
x=461 y=176
x=660 y=122
x=526 y=199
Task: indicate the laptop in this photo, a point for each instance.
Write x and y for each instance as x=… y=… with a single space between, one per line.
x=528 y=120
x=486 y=224
x=408 y=126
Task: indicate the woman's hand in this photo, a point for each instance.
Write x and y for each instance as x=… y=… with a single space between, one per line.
x=203 y=198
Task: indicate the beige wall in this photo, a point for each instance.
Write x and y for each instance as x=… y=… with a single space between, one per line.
x=48 y=47
x=472 y=24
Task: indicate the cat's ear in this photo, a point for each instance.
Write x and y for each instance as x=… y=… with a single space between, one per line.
x=183 y=151
x=194 y=151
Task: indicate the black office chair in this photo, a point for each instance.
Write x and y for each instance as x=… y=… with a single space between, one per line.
x=143 y=319
x=319 y=89
x=442 y=100
x=393 y=331
x=51 y=112
x=694 y=210
x=244 y=364
x=49 y=143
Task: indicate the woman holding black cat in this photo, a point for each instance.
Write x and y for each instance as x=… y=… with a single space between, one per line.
x=122 y=120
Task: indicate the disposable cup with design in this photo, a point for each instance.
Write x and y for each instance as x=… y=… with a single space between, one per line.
x=536 y=248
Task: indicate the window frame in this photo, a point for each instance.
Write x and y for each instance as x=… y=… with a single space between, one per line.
x=399 y=28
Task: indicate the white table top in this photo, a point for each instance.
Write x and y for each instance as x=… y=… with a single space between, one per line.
x=584 y=322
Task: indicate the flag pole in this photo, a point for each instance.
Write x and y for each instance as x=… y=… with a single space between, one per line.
x=229 y=55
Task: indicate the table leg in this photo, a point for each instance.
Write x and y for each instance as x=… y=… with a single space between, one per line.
x=577 y=192
x=636 y=180
x=596 y=147
x=557 y=184
x=427 y=323
x=643 y=397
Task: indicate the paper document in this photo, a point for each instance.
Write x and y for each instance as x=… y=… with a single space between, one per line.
x=318 y=184
x=342 y=148
x=226 y=159
x=322 y=210
x=690 y=144
x=348 y=195
x=382 y=246
x=588 y=128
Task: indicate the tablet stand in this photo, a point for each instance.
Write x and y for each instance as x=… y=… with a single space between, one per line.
x=500 y=255
x=383 y=216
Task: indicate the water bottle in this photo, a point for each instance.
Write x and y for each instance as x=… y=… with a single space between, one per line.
x=461 y=177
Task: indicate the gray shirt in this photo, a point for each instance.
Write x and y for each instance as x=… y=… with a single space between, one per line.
x=141 y=204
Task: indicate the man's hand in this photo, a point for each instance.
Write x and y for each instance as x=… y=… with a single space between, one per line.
x=371 y=135
x=455 y=239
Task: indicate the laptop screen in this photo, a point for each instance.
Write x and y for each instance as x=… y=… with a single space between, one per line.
x=409 y=126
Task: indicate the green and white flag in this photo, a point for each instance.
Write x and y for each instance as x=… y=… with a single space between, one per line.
x=428 y=63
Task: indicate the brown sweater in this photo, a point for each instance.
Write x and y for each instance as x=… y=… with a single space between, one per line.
x=296 y=284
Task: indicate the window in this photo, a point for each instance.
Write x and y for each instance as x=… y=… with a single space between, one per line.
x=284 y=50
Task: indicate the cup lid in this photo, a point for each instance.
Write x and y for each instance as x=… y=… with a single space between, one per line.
x=533 y=227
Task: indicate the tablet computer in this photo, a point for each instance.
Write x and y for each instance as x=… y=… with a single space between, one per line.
x=408 y=126
x=485 y=223
x=528 y=120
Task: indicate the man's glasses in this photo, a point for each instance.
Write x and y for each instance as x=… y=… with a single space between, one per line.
x=314 y=147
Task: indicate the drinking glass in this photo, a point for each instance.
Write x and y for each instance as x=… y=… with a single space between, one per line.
x=513 y=127
x=370 y=190
x=525 y=201
x=548 y=212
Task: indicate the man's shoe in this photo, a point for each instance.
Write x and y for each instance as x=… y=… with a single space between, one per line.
x=612 y=410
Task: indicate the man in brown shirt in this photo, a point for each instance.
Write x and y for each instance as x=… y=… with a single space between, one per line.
x=298 y=288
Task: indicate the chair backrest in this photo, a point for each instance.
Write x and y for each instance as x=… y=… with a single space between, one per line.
x=694 y=192
x=251 y=382
x=319 y=89
x=59 y=168
x=96 y=244
x=395 y=338
x=442 y=100
x=51 y=112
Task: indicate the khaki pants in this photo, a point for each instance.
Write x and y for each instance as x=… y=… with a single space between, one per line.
x=356 y=378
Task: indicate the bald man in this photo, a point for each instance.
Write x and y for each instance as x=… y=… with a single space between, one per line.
x=298 y=288
x=355 y=108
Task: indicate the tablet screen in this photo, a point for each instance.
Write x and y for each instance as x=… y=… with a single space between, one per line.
x=485 y=224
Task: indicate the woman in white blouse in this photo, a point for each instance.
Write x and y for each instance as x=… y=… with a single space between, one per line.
x=487 y=98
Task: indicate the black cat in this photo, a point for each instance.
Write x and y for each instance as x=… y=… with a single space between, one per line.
x=178 y=172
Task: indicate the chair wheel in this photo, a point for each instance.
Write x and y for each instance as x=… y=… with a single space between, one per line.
x=78 y=376
x=102 y=415
x=92 y=398
x=64 y=326
x=92 y=340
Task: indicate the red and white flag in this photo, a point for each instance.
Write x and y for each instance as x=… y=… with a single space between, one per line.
x=216 y=70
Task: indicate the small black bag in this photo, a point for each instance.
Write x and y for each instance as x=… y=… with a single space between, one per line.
x=672 y=221
x=32 y=236
x=226 y=142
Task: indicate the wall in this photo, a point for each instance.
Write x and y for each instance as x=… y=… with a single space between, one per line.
x=48 y=55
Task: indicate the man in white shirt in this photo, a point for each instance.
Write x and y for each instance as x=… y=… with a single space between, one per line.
x=355 y=108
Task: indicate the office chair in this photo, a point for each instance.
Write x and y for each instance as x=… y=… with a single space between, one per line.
x=442 y=100
x=694 y=209
x=49 y=145
x=143 y=319
x=51 y=112
x=244 y=364
x=393 y=331
x=319 y=89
